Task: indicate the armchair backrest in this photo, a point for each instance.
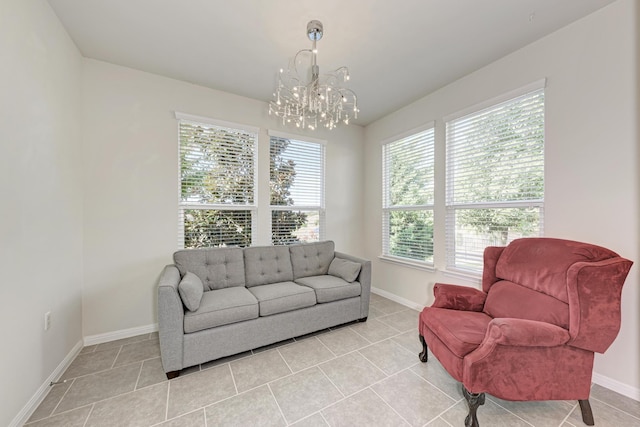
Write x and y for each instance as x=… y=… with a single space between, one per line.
x=574 y=285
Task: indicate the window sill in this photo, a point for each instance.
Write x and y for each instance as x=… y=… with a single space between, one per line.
x=407 y=263
x=474 y=277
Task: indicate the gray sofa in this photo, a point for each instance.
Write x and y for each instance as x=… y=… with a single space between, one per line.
x=218 y=302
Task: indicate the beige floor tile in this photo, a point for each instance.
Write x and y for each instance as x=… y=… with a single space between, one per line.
x=315 y=420
x=100 y=386
x=119 y=343
x=258 y=370
x=352 y=373
x=387 y=306
x=143 y=407
x=304 y=393
x=489 y=414
x=88 y=349
x=194 y=419
x=406 y=320
x=362 y=409
x=75 y=418
x=90 y=363
x=252 y=408
x=50 y=402
x=538 y=413
x=374 y=313
x=410 y=341
x=435 y=374
x=342 y=341
x=151 y=373
x=604 y=416
x=438 y=422
x=201 y=389
x=421 y=402
x=374 y=330
x=389 y=356
x=626 y=404
x=138 y=351
x=224 y=360
x=304 y=354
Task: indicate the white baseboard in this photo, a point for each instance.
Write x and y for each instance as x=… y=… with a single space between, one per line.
x=617 y=386
x=117 y=335
x=28 y=409
x=611 y=384
x=396 y=298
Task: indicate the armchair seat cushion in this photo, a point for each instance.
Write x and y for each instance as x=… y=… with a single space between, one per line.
x=461 y=331
x=284 y=296
x=221 y=307
x=331 y=288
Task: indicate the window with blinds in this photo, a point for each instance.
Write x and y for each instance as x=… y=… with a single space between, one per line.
x=408 y=198
x=495 y=178
x=217 y=183
x=296 y=189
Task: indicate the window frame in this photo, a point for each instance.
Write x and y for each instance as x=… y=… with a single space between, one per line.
x=388 y=208
x=184 y=206
x=452 y=206
x=301 y=208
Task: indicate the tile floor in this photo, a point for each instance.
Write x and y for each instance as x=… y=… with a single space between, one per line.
x=362 y=374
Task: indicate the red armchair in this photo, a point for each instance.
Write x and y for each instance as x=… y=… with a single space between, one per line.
x=545 y=307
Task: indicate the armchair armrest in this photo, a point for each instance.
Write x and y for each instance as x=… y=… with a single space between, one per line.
x=170 y=319
x=524 y=333
x=457 y=297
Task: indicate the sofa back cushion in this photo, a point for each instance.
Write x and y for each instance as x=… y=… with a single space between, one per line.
x=541 y=264
x=311 y=259
x=218 y=268
x=267 y=264
x=508 y=299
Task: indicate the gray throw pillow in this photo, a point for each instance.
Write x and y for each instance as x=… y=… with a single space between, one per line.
x=347 y=270
x=191 y=291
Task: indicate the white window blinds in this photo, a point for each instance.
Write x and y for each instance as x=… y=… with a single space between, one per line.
x=408 y=197
x=296 y=190
x=495 y=178
x=217 y=185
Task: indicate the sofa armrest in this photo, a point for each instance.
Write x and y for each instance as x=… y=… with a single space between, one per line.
x=170 y=319
x=364 y=277
x=458 y=297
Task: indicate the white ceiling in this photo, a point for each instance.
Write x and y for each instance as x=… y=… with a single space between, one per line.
x=397 y=51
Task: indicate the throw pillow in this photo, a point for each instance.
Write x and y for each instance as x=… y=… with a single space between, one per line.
x=191 y=291
x=347 y=270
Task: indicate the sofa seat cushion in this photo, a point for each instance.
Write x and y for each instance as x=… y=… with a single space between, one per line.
x=283 y=296
x=330 y=288
x=221 y=307
x=461 y=331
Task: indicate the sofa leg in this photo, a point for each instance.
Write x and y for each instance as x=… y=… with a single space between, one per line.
x=473 y=401
x=173 y=374
x=587 y=414
x=424 y=355
x=364 y=319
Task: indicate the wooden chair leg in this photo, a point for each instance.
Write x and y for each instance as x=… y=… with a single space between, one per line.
x=424 y=356
x=473 y=401
x=587 y=414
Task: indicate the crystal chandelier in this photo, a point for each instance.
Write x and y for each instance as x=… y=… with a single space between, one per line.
x=307 y=99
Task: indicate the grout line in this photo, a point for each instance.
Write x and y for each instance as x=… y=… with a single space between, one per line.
x=93 y=405
x=277 y=404
x=392 y=408
x=53 y=411
x=564 y=420
x=613 y=407
x=331 y=381
x=286 y=363
x=166 y=406
x=135 y=386
x=235 y=386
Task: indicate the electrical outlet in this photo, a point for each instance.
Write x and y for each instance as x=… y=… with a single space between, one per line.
x=47 y=320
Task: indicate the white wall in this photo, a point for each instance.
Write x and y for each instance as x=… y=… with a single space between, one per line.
x=130 y=178
x=591 y=157
x=40 y=199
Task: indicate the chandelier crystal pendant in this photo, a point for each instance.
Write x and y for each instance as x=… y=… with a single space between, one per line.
x=307 y=99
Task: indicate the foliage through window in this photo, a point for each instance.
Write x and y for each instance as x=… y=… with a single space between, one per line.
x=217 y=184
x=408 y=197
x=495 y=178
x=297 y=190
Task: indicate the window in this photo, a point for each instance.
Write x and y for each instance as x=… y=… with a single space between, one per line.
x=217 y=183
x=297 y=189
x=408 y=197
x=495 y=178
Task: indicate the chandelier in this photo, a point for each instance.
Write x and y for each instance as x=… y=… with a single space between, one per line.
x=307 y=99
